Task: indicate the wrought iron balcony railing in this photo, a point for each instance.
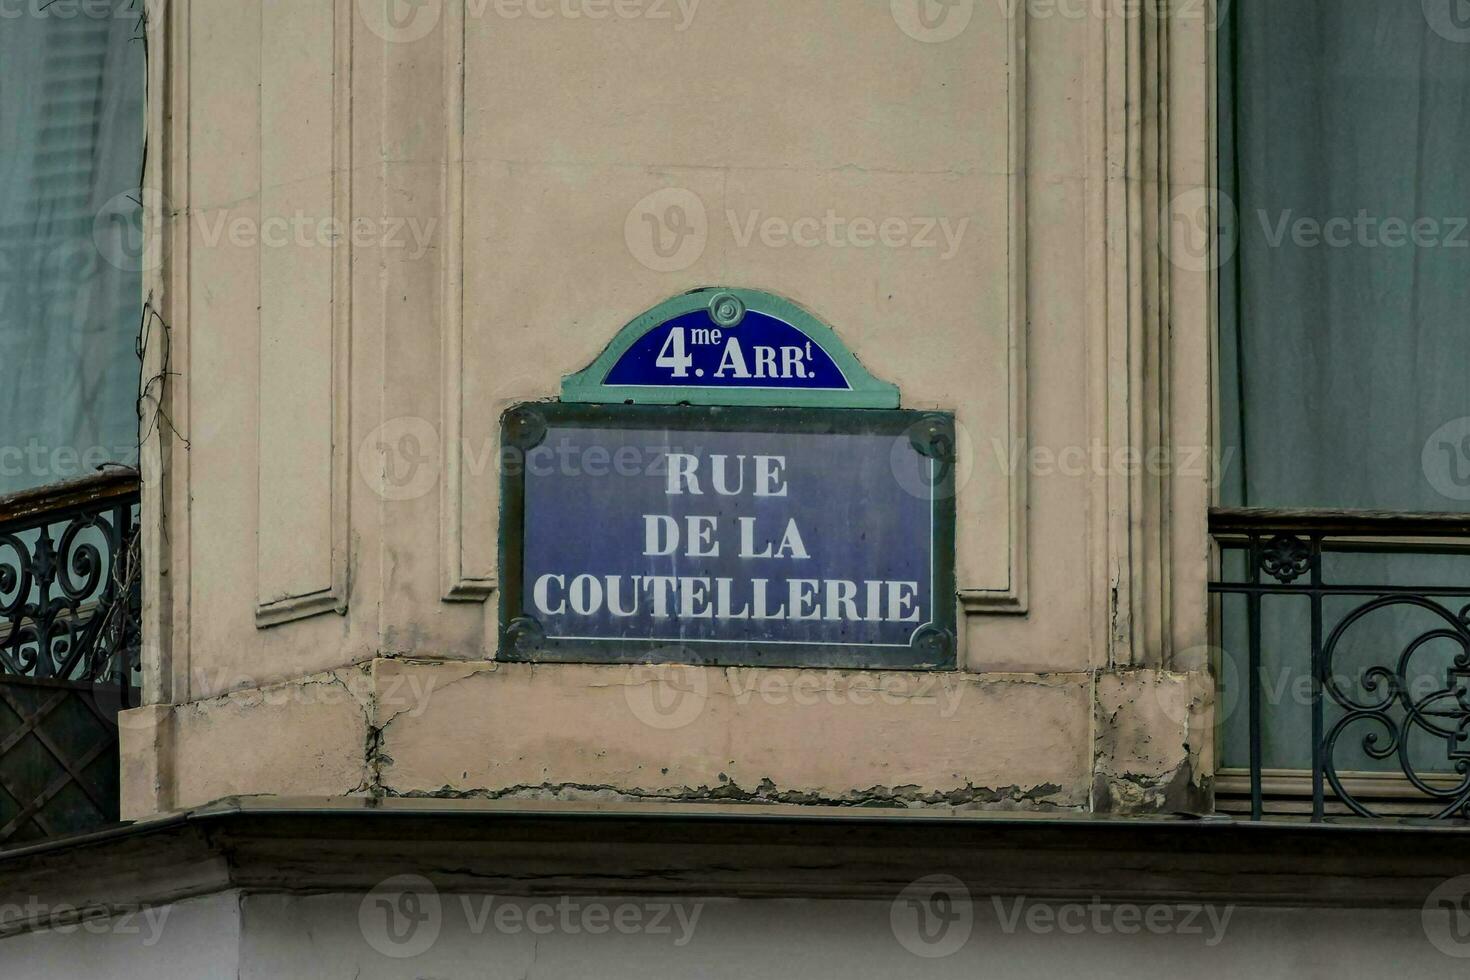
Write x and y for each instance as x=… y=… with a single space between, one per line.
x=69 y=640
x=1347 y=638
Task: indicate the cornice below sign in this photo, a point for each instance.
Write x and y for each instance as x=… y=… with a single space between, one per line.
x=720 y=346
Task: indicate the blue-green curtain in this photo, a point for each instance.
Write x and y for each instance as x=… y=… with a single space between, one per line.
x=1345 y=348
x=71 y=150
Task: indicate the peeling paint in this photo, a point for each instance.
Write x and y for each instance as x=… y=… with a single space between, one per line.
x=497 y=738
x=1148 y=724
x=767 y=792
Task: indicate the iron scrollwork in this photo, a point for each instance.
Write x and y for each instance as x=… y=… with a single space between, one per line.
x=1395 y=695
x=1394 y=713
x=1286 y=558
x=69 y=602
x=70 y=616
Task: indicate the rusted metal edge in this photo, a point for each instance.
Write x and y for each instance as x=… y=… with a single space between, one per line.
x=113 y=483
x=1346 y=523
x=352 y=845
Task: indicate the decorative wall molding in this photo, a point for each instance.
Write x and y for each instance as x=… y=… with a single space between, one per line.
x=1015 y=599
x=302 y=538
x=459 y=584
x=1133 y=408
x=462 y=581
x=164 y=525
x=1150 y=370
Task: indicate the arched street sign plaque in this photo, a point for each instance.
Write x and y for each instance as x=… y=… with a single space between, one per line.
x=721 y=346
x=762 y=502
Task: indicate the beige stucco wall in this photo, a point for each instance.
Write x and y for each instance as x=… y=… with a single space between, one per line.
x=320 y=606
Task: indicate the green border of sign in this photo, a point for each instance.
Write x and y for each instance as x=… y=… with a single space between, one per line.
x=588 y=386
x=525 y=426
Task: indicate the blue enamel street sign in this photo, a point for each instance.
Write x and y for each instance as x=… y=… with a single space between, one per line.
x=725 y=346
x=760 y=352
x=761 y=536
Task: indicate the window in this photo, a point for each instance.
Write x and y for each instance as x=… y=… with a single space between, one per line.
x=71 y=152
x=71 y=125
x=1345 y=363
